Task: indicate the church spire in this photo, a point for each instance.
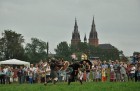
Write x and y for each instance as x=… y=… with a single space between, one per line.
x=85 y=39
x=75 y=26
x=93 y=32
x=93 y=36
x=93 y=25
x=75 y=35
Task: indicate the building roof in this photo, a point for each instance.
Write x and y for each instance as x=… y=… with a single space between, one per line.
x=106 y=46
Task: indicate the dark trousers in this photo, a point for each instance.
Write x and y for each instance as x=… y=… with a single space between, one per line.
x=8 y=79
x=2 y=79
x=20 y=79
x=138 y=78
x=72 y=79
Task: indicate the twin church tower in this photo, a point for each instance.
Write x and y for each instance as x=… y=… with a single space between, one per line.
x=93 y=36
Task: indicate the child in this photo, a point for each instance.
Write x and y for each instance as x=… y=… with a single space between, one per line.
x=103 y=75
x=97 y=75
x=31 y=77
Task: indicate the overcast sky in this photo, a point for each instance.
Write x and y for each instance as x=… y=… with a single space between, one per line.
x=117 y=21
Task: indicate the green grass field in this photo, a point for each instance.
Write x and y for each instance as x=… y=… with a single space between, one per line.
x=75 y=86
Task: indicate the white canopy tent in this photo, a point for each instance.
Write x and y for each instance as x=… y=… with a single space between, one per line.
x=15 y=62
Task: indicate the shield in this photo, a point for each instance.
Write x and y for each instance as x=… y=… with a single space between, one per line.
x=88 y=61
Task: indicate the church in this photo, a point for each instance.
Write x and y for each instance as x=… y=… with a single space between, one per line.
x=94 y=41
x=93 y=37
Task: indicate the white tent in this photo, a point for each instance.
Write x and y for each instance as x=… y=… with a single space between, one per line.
x=16 y=62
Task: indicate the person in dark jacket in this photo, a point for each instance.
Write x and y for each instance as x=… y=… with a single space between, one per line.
x=2 y=76
x=74 y=73
x=20 y=75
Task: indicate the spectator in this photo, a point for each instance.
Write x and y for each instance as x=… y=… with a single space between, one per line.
x=2 y=76
x=123 y=73
x=31 y=77
x=8 y=75
x=138 y=74
x=132 y=72
x=20 y=75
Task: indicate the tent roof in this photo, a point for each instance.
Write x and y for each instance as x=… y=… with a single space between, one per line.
x=15 y=61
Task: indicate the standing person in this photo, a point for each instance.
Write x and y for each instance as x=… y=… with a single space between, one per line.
x=36 y=74
x=65 y=65
x=20 y=75
x=15 y=77
x=8 y=75
x=93 y=72
x=103 y=75
x=31 y=77
x=97 y=75
x=123 y=73
x=112 y=73
x=132 y=72
x=2 y=76
x=117 y=71
x=128 y=69
x=138 y=74
x=48 y=70
x=87 y=72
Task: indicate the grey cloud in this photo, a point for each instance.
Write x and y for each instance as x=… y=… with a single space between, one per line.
x=117 y=21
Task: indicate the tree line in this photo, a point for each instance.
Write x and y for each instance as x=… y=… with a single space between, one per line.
x=12 y=45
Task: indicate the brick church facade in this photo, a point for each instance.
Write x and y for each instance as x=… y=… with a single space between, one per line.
x=93 y=36
x=106 y=51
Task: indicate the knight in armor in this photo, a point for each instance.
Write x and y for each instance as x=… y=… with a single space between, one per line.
x=54 y=66
x=74 y=72
x=53 y=74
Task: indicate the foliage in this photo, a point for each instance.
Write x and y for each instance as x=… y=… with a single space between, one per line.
x=11 y=45
x=63 y=51
x=36 y=50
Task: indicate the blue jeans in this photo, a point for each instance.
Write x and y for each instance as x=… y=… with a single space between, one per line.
x=31 y=80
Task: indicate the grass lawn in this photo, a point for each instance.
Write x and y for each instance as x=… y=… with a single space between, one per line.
x=75 y=86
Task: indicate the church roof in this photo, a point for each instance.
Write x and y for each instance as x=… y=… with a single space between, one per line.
x=106 y=46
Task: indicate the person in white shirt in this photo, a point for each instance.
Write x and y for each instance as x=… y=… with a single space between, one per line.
x=5 y=69
x=48 y=70
x=132 y=72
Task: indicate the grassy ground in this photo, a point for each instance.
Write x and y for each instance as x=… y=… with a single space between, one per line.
x=75 y=86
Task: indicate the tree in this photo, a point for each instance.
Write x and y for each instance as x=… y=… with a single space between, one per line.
x=11 y=45
x=63 y=51
x=79 y=49
x=92 y=51
x=36 y=50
